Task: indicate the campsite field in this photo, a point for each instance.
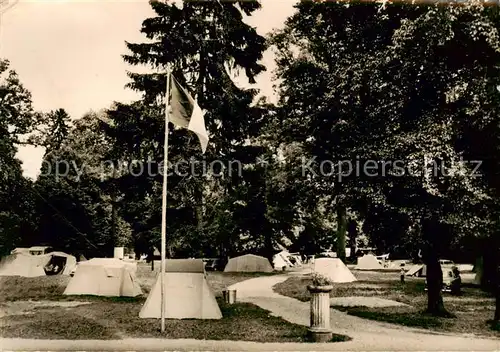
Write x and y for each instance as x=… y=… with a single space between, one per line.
x=37 y=308
x=472 y=310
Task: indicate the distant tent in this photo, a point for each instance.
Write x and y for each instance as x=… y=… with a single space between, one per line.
x=20 y=250
x=417 y=270
x=334 y=269
x=27 y=265
x=188 y=295
x=465 y=267
x=104 y=277
x=368 y=262
x=248 y=263
x=295 y=259
x=82 y=258
x=281 y=260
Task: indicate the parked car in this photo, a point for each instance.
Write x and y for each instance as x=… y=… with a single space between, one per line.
x=447 y=279
x=446 y=262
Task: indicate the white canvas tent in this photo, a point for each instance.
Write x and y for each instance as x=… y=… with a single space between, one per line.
x=24 y=264
x=104 y=277
x=417 y=270
x=27 y=265
x=188 y=295
x=248 y=263
x=280 y=260
x=297 y=257
x=20 y=250
x=334 y=269
x=368 y=262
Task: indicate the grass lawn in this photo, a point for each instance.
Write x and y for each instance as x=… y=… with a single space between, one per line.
x=472 y=310
x=119 y=319
x=29 y=309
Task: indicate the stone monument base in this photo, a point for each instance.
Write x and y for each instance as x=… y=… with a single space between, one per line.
x=320 y=335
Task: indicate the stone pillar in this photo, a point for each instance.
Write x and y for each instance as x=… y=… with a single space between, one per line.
x=319 y=330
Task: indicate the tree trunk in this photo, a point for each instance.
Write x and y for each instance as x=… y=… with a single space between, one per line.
x=268 y=229
x=435 y=305
x=434 y=273
x=352 y=231
x=497 y=305
x=113 y=222
x=489 y=265
x=113 y=211
x=496 y=247
x=341 y=231
x=199 y=212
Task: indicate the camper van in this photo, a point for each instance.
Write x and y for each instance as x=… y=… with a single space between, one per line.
x=40 y=250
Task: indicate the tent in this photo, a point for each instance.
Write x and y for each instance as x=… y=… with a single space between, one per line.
x=281 y=260
x=188 y=295
x=20 y=250
x=60 y=264
x=297 y=257
x=248 y=263
x=417 y=270
x=24 y=264
x=368 y=262
x=334 y=269
x=104 y=277
x=27 y=265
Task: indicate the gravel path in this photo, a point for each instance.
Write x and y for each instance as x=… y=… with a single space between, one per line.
x=366 y=334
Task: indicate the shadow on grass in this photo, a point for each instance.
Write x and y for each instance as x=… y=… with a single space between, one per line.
x=396 y=315
x=494 y=325
x=112 y=318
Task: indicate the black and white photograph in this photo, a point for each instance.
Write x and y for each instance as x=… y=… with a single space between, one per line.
x=250 y=175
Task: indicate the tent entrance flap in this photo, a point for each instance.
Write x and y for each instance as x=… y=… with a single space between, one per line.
x=55 y=266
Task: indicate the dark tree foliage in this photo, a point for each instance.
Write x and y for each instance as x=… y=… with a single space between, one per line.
x=394 y=82
x=205 y=43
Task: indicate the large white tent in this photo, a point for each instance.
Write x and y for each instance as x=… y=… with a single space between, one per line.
x=334 y=269
x=368 y=262
x=24 y=264
x=104 y=277
x=249 y=263
x=188 y=295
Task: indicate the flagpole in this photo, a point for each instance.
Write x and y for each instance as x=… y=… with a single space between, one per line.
x=164 y=204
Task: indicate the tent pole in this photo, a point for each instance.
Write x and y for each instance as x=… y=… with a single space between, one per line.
x=164 y=205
